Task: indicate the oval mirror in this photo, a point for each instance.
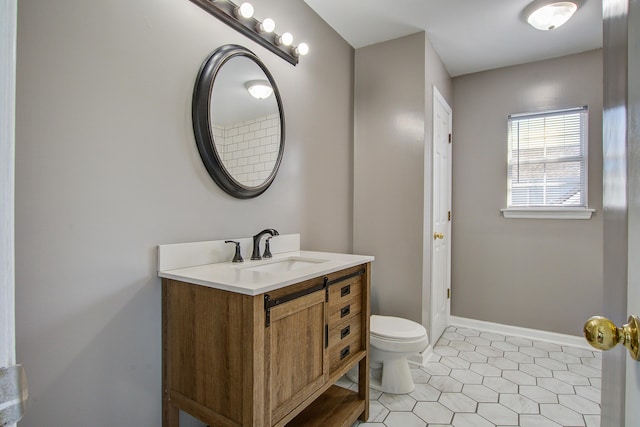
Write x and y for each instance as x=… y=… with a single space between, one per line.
x=238 y=121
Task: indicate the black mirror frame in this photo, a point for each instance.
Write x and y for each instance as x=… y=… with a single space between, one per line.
x=201 y=116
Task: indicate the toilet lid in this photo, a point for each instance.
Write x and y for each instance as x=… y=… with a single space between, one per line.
x=396 y=327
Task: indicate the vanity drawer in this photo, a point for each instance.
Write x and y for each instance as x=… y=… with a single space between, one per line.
x=340 y=353
x=348 y=308
x=344 y=331
x=344 y=290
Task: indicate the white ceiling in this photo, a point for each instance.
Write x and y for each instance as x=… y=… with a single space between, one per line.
x=469 y=35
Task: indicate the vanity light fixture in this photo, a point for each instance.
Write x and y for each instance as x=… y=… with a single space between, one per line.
x=550 y=14
x=262 y=32
x=259 y=89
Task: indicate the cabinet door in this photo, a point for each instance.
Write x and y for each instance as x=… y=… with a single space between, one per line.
x=297 y=365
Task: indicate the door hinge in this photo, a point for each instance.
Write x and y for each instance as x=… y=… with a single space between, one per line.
x=449 y=215
x=449 y=138
x=448 y=293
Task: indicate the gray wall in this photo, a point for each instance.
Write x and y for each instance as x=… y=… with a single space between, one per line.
x=393 y=122
x=542 y=274
x=107 y=168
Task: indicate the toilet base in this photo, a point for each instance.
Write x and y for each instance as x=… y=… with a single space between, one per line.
x=396 y=377
x=393 y=376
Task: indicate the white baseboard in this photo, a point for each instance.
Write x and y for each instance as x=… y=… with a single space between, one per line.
x=533 y=334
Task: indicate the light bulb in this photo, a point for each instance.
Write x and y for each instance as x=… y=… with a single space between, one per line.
x=267 y=26
x=285 y=39
x=245 y=10
x=552 y=15
x=302 y=49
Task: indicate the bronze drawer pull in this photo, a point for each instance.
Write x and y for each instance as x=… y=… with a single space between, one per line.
x=345 y=332
x=346 y=290
x=345 y=311
x=345 y=352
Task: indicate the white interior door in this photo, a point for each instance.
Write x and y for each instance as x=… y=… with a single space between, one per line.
x=621 y=140
x=440 y=217
x=632 y=390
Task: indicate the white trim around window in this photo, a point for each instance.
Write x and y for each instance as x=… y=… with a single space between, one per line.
x=548 y=213
x=548 y=165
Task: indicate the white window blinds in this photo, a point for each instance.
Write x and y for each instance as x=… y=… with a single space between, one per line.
x=548 y=159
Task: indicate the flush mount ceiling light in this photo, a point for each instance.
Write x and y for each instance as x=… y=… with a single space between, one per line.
x=241 y=19
x=259 y=89
x=549 y=14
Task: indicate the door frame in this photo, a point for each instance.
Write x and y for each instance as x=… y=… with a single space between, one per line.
x=8 y=23
x=7 y=186
x=438 y=98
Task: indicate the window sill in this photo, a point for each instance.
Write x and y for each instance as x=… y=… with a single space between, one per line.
x=547 y=213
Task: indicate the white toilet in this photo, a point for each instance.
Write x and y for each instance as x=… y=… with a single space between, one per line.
x=393 y=339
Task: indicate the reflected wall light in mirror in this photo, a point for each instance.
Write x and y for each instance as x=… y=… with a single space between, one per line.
x=240 y=138
x=241 y=19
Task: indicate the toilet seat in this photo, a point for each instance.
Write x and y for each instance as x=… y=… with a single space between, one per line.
x=397 y=335
x=395 y=328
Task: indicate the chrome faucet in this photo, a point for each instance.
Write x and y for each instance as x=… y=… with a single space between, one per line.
x=255 y=255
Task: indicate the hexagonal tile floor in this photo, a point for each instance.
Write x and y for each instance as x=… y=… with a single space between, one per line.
x=478 y=379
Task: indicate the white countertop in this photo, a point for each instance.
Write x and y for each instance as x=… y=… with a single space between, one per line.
x=238 y=277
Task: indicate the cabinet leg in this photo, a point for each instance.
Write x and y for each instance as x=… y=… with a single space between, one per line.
x=363 y=386
x=170 y=414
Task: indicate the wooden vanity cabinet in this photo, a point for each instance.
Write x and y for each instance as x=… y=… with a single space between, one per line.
x=231 y=359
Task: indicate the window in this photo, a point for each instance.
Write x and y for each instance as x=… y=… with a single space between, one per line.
x=547 y=174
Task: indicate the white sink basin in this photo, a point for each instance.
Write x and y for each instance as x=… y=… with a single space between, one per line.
x=284 y=265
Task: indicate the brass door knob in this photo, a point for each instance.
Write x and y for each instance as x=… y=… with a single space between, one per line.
x=438 y=236
x=603 y=334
